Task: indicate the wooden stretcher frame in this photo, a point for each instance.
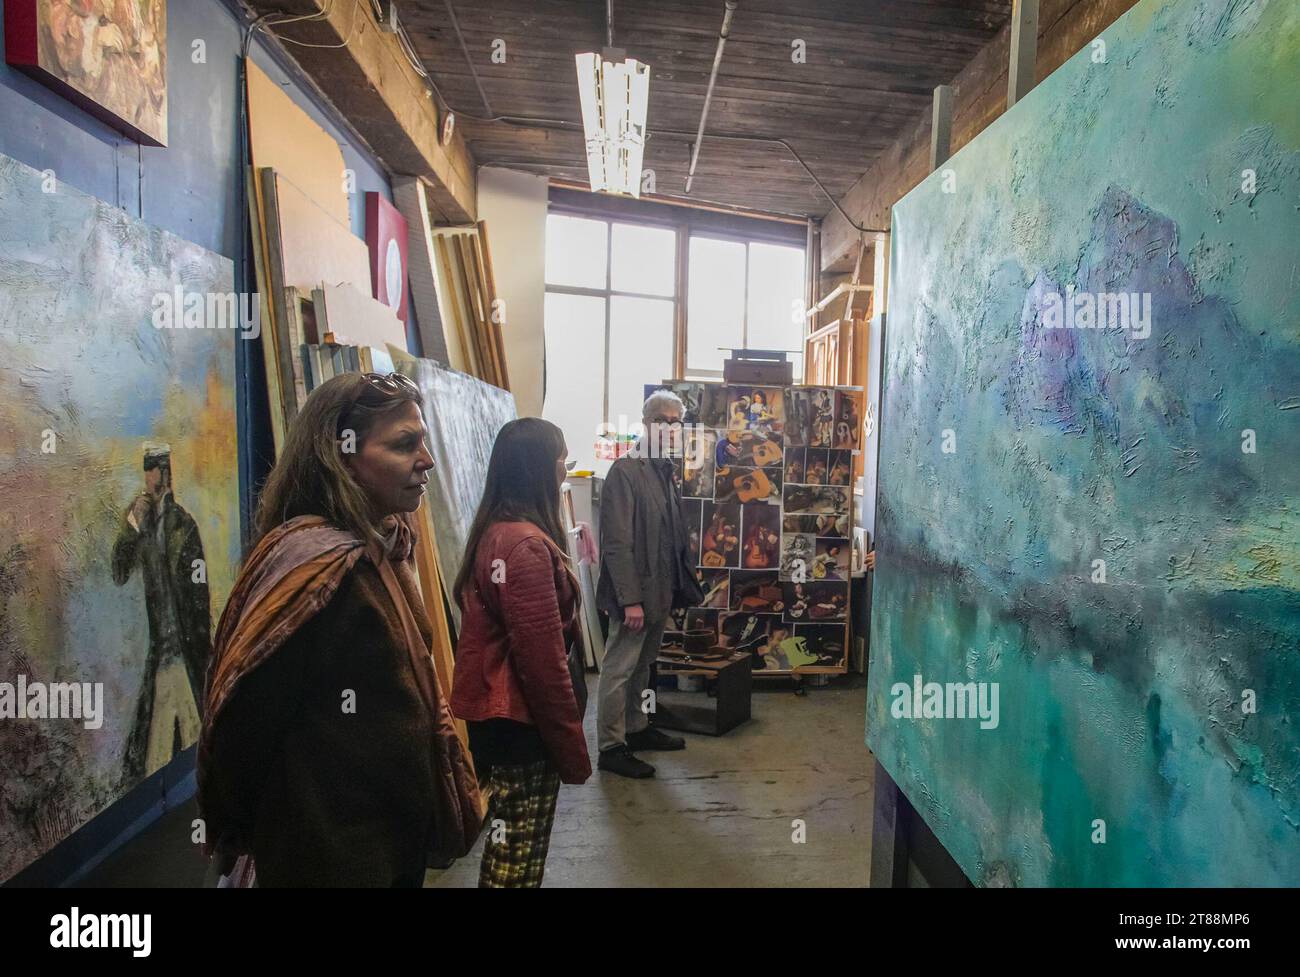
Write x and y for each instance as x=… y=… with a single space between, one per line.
x=468 y=302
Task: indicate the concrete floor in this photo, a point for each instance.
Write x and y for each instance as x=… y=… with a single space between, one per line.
x=718 y=813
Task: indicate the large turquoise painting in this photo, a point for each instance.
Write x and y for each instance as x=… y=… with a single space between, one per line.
x=1090 y=469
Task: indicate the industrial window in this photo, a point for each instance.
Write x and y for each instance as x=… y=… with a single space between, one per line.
x=613 y=292
x=742 y=294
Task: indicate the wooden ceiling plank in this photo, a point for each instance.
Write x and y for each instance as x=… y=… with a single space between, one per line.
x=872 y=68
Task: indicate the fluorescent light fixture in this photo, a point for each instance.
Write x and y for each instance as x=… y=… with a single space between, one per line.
x=615 y=96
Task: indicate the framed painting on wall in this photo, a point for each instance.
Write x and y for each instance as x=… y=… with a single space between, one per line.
x=107 y=56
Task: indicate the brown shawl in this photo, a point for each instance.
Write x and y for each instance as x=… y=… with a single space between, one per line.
x=290 y=576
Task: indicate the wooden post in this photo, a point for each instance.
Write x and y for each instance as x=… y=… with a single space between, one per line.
x=812 y=289
x=1024 y=50
x=941 y=127
x=682 y=275
x=880 y=275
x=889 y=847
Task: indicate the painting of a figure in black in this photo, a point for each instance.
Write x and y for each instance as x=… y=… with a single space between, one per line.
x=161 y=540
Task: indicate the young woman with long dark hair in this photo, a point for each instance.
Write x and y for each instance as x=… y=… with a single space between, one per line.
x=328 y=753
x=519 y=601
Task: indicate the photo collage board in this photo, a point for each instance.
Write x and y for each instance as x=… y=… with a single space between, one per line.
x=767 y=494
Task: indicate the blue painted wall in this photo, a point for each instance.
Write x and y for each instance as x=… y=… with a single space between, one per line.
x=189 y=186
x=191 y=189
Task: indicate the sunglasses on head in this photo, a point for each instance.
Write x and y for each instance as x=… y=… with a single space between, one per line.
x=391 y=383
x=378 y=389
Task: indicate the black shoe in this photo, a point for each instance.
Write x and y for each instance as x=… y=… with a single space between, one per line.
x=654 y=739
x=619 y=760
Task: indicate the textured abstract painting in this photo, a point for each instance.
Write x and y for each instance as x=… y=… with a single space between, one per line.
x=119 y=519
x=463 y=415
x=1085 y=654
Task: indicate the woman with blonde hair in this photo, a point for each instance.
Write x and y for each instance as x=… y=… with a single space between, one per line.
x=328 y=755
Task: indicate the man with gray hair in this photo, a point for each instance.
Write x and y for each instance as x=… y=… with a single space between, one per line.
x=644 y=574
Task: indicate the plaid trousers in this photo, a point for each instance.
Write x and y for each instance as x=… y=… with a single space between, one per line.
x=521 y=812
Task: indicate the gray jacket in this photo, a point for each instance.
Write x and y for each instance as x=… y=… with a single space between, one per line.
x=636 y=545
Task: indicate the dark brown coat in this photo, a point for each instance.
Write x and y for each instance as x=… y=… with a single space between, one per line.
x=328 y=796
x=328 y=751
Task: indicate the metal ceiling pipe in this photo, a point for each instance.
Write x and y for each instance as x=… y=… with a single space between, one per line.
x=464 y=48
x=708 y=94
x=609 y=23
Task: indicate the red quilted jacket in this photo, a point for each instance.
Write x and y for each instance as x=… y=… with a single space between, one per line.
x=517 y=616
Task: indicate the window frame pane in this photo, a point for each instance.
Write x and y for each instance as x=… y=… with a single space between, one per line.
x=744 y=297
x=629 y=302
x=584 y=451
x=684 y=233
x=546 y=271
x=672 y=293
x=608 y=293
x=801 y=327
x=748 y=242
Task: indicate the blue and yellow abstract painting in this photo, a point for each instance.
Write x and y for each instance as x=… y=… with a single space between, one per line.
x=1085 y=646
x=119 y=501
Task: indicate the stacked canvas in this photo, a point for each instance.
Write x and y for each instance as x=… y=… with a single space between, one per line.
x=321 y=361
x=313 y=274
x=768 y=502
x=472 y=314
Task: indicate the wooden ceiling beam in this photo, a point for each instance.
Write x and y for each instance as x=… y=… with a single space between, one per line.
x=365 y=74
